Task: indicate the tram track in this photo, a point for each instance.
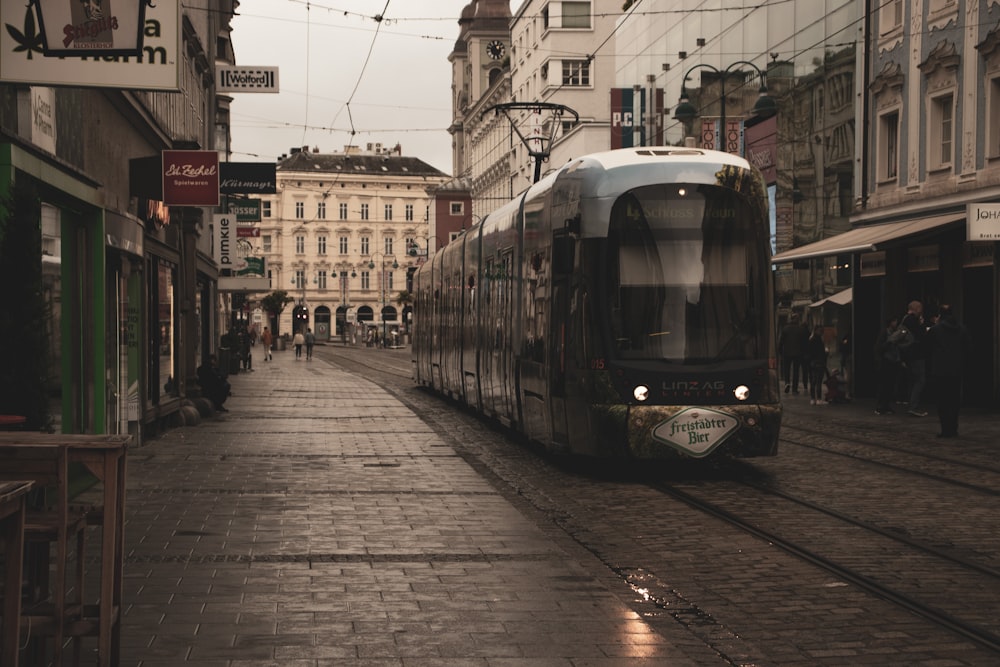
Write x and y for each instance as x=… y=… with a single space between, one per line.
x=932 y=476
x=913 y=568
x=848 y=440
x=970 y=630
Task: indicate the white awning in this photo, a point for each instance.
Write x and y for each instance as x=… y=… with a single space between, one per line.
x=841 y=298
x=866 y=238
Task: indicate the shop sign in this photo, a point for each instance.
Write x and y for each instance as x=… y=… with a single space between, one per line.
x=43 y=118
x=246 y=232
x=873 y=264
x=225 y=240
x=233 y=79
x=92 y=28
x=982 y=222
x=190 y=178
x=923 y=258
x=248 y=178
x=146 y=56
x=249 y=266
x=245 y=210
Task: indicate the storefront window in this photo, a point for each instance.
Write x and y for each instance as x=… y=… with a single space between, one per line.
x=165 y=336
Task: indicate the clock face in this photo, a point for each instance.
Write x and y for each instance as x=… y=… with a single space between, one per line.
x=495 y=49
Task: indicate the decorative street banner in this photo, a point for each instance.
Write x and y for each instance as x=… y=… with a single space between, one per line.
x=92 y=27
x=190 y=178
x=155 y=63
x=233 y=79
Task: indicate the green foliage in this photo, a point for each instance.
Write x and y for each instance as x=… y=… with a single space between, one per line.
x=404 y=298
x=24 y=325
x=274 y=304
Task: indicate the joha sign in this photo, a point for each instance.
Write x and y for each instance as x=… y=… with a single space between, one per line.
x=983 y=222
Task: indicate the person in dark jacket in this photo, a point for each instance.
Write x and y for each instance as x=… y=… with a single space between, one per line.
x=816 y=357
x=887 y=364
x=948 y=343
x=214 y=386
x=915 y=356
x=791 y=349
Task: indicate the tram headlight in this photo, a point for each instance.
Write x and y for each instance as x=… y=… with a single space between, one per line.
x=641 y=393
x=742 y=392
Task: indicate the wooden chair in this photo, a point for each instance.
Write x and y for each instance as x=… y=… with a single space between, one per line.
x=49 y=521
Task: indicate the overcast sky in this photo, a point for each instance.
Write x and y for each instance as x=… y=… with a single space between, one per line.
x=340 y=70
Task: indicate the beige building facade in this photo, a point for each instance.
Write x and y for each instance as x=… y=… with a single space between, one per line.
x=340 y=236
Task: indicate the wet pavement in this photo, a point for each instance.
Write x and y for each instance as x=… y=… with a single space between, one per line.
x=321 y=522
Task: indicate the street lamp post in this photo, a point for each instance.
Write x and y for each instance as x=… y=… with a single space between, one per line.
x=765 y=107
x=299 y=281
x=342 y=314
x=371 y=265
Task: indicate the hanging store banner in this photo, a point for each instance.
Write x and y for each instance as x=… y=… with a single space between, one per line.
x=190 y=178
x=154 y=64
x=244 y=232
x=224 y=230
x=233 y=79
x=235 y=178
x=762 y=148
x=250 y=266
x=630 y=116
x=92 y=27
x=248 y=178
x=245 y=210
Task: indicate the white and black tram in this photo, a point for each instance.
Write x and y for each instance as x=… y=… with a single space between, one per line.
x=620 y=307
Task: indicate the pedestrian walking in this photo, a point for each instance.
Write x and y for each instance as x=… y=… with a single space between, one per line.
x=267 y=340
x=298 y=340
x=887 y=367
x=915 y=356
x=948 y=343
x=816 y=357
x=791 y=348
x=246 y=352
x=310 y=342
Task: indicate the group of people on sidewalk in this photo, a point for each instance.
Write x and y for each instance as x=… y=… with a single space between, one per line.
x=912 y=355
x=804 y=351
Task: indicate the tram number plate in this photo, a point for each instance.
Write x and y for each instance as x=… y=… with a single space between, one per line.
x=696 y=431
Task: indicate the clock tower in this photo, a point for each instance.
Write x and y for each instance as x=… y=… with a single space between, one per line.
x=480 y=56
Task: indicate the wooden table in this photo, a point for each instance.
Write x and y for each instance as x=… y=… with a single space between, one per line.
x=12 y=496
x=104 y=456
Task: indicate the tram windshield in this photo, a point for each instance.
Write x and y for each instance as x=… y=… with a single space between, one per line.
x=679 y=274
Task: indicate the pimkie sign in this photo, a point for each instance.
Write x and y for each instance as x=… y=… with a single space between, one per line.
x=91 y=27
x=190 y=178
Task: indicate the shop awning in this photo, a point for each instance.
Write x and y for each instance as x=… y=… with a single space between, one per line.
x=841 y=298
x=866 y=238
